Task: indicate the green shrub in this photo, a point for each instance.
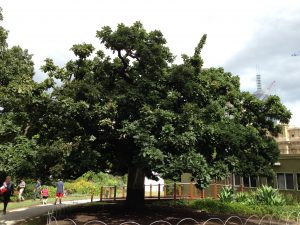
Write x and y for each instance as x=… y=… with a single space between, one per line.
x=267 y=195
x=218 y=207
x=80 y=187
x=91 y=182
x=214 y=206
x=13 y=198
x=242 y=197
x=52 y=191
x=226 y=194
x=290 y=199
x=88 y=183
x=103 y=179
x=248 y=198
x=29 y=191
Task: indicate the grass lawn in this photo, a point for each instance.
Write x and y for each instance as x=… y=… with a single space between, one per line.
x=28 y=203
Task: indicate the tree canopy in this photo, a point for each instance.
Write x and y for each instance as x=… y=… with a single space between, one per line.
x=131 y=109
x=21 y=105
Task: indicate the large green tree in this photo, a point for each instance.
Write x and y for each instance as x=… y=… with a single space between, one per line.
x=132 y=110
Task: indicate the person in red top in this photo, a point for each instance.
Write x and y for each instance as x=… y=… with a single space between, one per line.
x=45 y=195
x=7 y=191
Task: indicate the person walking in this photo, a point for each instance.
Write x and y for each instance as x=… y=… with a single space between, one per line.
x=9 y=191
x=59 y=191
x=21 y=188
x=37 y=190
x=45 y=195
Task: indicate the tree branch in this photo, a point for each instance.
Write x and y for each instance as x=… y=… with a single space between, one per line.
x=123 y=71
x=26 y=129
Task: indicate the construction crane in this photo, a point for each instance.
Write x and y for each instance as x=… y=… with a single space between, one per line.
x=296 y=54
x=269 y=89
x=261 y=93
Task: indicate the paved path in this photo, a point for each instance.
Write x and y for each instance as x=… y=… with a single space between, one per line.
x=22 y=214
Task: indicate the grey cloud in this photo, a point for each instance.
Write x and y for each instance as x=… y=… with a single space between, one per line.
x=271 y=47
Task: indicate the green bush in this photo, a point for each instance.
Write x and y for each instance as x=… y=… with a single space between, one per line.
x=29 y=191
x=226 y=194
x=248 y=198
x=241 y=197
x=264 y=195
x=267 y=195
x=52 y=191
x=91 y=182
x=214 y=206
x=103 y=179
x=80 y=187
x=290 y=199
x=88 y=183
x=13 y=198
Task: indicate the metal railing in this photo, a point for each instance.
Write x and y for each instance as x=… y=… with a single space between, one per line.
x=291 y=218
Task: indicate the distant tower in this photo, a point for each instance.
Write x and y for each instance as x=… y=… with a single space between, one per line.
x=259 y=93
x=258 y=82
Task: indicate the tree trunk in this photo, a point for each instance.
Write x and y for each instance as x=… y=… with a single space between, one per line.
x=135 y=188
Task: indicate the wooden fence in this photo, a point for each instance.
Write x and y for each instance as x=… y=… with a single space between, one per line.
x=168 y=191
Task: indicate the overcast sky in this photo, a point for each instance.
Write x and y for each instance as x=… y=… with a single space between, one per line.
x=242 y=35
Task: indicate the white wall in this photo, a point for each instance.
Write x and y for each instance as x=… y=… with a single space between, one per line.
x=154 y=184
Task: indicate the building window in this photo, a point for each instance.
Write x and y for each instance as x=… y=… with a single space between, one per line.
x=246 y=181
x=250 y=181
x=298 y=181
x=285 y=181
x=237 y=180
x=289 y=181
x=280 y=181
x=253 y=181
x=270 y=181
x=263 y=181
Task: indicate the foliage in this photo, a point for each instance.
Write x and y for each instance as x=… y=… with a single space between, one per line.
x=29 y=190
x=88 y=183
x=213 y=206
x=269 y=196
x=103 y=179
x=80 y=186
x=246 y=198
x=21 y=105
x=138 y=110
x=290 y=199
x=264 y=195
x=226 y=194
x=236 y=208
x=132 y=110
x=91 y=182
x=19 y=157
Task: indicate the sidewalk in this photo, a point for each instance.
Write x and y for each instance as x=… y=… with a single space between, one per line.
x=22 y=214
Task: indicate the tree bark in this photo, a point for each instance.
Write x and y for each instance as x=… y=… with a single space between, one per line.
x=135 y=188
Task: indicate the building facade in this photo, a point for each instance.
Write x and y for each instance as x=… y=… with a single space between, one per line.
x=288 y=168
